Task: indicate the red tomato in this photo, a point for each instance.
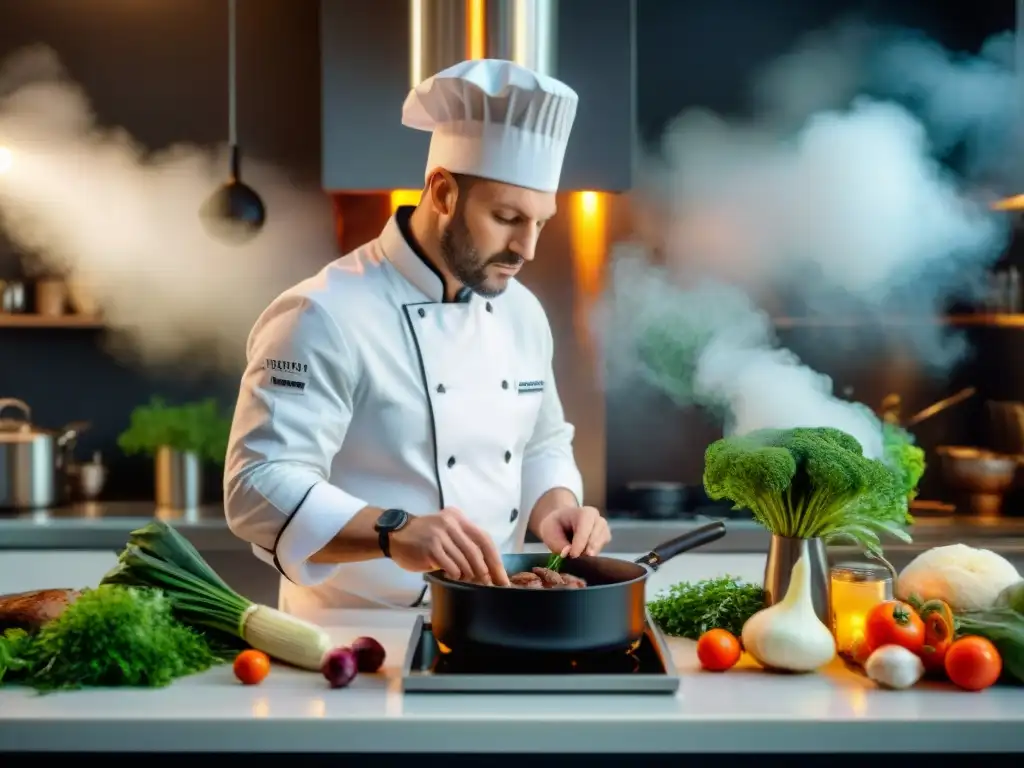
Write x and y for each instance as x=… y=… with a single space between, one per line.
x=893 y=623
x=718 y=650
x=251 y=667
x=973 y=663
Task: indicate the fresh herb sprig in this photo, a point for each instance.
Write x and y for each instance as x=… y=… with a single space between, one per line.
x=691 y=609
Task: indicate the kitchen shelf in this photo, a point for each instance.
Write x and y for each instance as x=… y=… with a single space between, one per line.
x=976 y=320
x=49 y=321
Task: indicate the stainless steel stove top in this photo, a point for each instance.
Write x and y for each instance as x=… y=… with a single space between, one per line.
x=648 y=669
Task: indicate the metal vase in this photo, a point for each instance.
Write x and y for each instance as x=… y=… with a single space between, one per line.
x=782 y=556
x=179 y=479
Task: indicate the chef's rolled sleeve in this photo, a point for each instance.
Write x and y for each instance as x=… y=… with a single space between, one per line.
x=293 y=411
x=548 y=460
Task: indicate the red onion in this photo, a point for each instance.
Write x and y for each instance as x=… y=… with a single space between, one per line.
x=369 y=654
x=339 y=667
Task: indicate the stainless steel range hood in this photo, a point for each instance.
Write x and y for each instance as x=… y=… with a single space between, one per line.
x=445 y=32
x=373 y=52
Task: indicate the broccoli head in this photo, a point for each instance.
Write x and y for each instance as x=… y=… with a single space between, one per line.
x=809 y=483
x=903 y=456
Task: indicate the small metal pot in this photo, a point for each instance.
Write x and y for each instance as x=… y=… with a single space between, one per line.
x=778 y=570
x=33 y=460
x=179 y=479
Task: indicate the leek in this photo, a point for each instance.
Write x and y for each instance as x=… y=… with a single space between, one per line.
x=158 y=557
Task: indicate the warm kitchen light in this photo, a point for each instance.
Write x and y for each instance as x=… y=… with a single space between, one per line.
x=400 y=197
x=476 y=29
x=856 y=588
x=6 y=159
x=1015 y=203
x=588 y=243
x=588 y=212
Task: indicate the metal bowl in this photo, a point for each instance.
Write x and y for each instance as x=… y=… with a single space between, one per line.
x=976 y=470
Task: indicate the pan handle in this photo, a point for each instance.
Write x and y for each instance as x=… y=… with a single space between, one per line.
x=689 y=540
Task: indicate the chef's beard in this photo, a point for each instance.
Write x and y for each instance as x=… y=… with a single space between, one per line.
x=465 y=263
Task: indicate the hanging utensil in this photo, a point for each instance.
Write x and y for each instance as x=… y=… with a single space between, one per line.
x=234 y=213
x=964 y=394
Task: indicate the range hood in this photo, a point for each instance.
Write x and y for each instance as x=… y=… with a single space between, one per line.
x=373 y=52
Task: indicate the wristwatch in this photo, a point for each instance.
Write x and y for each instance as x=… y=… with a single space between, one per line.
x=390 y=520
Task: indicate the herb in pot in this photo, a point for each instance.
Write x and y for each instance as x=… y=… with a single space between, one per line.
x=691 y=609
x=197 y=428
x=808 y=483
x=110 y=636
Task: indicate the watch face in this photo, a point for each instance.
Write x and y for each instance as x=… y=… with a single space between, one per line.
x=391 y=519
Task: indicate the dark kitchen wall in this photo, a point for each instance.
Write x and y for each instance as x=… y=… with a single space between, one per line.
x=158 y=69
x=705 y=54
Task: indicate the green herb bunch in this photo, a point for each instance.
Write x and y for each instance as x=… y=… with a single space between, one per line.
x=691 y=609
x=110 y=636
x=191 y=428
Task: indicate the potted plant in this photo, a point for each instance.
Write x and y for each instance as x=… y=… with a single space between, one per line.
x=180 y=438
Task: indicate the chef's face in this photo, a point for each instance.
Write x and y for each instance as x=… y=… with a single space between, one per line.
x=492 y=232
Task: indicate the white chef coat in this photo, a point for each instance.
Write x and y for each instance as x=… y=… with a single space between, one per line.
x=363 y=387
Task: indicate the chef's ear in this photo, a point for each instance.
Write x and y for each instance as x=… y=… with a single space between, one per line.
x=442 y=192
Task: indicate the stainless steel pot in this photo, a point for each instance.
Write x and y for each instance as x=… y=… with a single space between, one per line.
x=33 y=460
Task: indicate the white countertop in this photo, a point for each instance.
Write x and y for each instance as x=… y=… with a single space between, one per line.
x=743 y=710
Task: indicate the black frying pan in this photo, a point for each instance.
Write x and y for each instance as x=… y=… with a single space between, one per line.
x=608 y=614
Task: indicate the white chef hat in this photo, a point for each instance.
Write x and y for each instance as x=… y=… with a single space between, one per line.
x=495 y=119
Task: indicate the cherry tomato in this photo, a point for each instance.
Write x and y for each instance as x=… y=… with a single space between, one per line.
x=251 y=667
x=894 y=623
x=718 y=650
x=973 y=663
x=938 y=634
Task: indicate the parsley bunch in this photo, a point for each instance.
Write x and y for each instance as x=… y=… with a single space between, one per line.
x=691 y=609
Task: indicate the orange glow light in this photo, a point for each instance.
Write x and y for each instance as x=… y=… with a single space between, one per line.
x=400 y=197
x=1015 y=203
x=476 y=29
x=588 y=236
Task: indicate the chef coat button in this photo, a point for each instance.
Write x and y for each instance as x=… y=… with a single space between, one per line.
x=422 y=312
x=488 y=307
x=508 y=456
x=513 y=516
x=504 y=385
x=451 y=462
x=440 y=389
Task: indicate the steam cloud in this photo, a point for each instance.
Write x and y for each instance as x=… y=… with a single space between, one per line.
x=123 y=226
x=832 y=195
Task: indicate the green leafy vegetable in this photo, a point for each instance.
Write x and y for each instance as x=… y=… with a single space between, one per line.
x=159 y=557
x=555 y=562
x=809 y=483
x=110 y=636
x=191 y=428
x=1004 y=627
x=691 y=609
x=903 y=456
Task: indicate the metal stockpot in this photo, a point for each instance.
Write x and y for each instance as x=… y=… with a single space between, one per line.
x=33 y=460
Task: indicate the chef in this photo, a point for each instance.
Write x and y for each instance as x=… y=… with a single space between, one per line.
x=398 y=413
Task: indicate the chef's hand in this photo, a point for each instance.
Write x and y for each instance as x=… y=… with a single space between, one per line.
x=574 y=531
x=451 y=543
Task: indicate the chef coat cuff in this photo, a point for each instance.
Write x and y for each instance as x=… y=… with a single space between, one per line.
x=321 y=515
x=541 y=476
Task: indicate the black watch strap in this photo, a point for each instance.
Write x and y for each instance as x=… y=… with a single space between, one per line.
x=390 y=520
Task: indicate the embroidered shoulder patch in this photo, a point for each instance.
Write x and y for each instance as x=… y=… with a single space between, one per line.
x=286 y=376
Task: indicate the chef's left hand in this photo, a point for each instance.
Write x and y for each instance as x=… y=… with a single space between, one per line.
x=574 y=531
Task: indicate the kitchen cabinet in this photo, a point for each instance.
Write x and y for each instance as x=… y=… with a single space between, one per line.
x=365 y=79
